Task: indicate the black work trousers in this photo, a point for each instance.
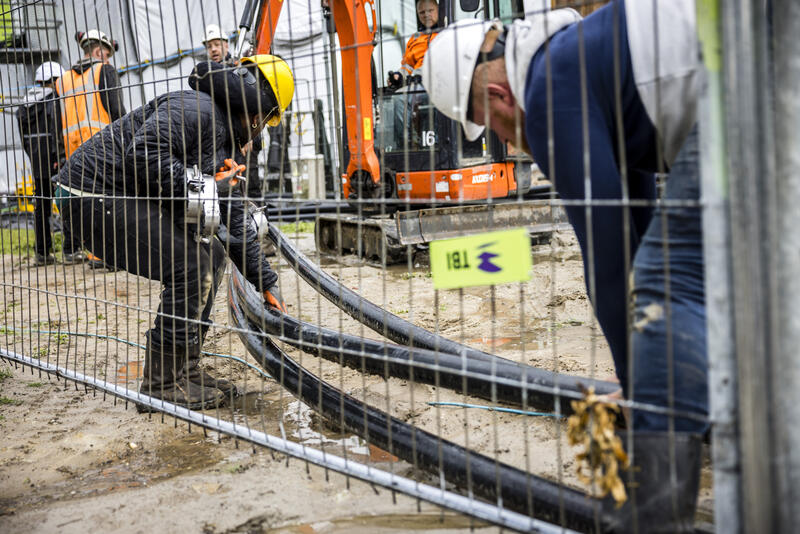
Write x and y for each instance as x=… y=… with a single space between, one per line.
x=138 y=236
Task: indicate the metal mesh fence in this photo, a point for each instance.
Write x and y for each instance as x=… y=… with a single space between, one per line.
x=494 y=255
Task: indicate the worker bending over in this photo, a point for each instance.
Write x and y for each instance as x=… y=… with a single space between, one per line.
x=588 y=132
x=126 y=190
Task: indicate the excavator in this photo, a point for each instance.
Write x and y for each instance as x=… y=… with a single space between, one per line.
x=400 y=152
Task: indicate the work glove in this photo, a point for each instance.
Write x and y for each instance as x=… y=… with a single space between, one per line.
x=273 y=299
x=395 y=80
x=229 y=175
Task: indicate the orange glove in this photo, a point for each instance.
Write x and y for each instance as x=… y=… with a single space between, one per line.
x=273 y=299
x=230 y=173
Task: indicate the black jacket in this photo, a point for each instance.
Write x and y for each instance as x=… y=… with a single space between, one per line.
x=146 y=153
x=39 y=125
x=109 y=87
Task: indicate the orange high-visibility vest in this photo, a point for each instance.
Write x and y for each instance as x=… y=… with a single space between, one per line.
x=415 y=51
x=82 y=111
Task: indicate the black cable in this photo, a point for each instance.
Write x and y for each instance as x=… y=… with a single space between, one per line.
x=551 y=502
x=362 y=310
x=515 y=384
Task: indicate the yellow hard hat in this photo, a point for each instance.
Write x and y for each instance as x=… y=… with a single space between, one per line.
x=280 y=78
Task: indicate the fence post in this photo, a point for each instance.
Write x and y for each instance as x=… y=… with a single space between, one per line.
x=762 y=141
x=717 y=254
x=786 y=364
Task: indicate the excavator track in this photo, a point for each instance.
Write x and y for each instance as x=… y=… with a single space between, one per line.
x=384 y=239
x=374 y=239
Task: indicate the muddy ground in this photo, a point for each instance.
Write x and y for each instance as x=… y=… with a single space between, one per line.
x=76 y=461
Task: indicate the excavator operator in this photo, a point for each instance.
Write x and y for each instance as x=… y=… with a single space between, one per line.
x=417 y=45
x=126 y=189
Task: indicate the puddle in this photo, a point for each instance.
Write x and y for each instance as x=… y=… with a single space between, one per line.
x=130 y=372
x=184 y=454
x=302 y=425
x=532 y=340
x=367 y=524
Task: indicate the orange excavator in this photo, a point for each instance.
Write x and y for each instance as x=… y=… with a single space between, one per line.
x=400 y=151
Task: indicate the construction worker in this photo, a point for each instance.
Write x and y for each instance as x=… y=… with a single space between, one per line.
x=89 y=91
x=216 y=44
x=127 y=193
x=38 y=120
x=417 y=45
x=547 y=84
x=90 y=101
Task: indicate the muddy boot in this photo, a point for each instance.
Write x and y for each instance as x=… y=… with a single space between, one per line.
x=199 y=377
x=659 y=505
x=165 y=377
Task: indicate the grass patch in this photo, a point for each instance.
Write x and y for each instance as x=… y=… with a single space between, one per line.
x=60 y=338
x=5 y=373
x=10 y=402
x=20 y=242
x=301 y=227
x=35 y=385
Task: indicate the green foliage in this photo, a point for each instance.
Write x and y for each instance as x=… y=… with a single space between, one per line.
x=35 y=385
x=5 y=373
x=11 y=402
x=19 y=242
x=301 y=227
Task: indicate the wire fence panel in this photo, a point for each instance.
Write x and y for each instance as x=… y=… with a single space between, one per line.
x=456 y=250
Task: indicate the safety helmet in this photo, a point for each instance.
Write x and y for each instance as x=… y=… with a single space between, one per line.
x=47 y=71
x=448 y=66
x=84 y=38
x=214 y=32
x=279 y=76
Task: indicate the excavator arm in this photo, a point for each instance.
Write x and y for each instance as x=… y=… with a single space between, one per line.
x=356 y=41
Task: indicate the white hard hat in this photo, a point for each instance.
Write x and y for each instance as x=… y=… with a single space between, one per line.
x=448 y=66
x=47 y=71
x=96 y=35
x=214 y=32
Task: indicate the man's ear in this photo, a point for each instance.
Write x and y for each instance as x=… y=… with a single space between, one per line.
x=501 y=94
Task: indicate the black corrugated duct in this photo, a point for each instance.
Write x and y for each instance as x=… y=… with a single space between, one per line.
x=484 y=477
x=499 y=380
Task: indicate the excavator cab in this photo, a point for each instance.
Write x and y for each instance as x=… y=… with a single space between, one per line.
x=430 y=159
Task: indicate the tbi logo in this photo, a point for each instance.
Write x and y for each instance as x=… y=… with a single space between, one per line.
x=486 y=264
x=491 y=258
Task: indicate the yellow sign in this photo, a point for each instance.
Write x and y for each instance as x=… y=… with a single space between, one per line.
x=484 y=259
x=367 y=129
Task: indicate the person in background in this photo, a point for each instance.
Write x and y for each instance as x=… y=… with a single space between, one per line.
x=216 y=44
x=90 y=100
x=90 y=91
x=38 y=120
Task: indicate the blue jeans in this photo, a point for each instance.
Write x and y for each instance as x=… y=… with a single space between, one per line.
x=669 y=321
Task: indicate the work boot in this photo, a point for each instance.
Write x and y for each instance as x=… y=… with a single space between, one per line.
x=165 y=377
x=44 y=259
x=657 y=504
x=198 y=376
x=74 y=257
